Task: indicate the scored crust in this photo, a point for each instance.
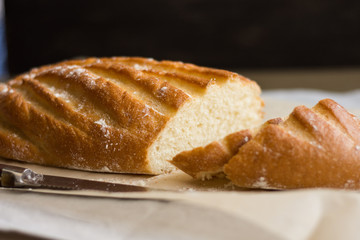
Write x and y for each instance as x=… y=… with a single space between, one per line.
x=104 y=114
x=318 y=147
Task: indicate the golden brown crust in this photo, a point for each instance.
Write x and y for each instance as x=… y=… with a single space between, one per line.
x=316 y=147
x=96 y=114
x=208 y=161
x=235 y=140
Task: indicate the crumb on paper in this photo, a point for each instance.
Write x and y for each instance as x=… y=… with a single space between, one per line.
x=105 y=169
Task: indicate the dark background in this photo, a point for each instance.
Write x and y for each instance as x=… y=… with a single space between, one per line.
x=224 y=34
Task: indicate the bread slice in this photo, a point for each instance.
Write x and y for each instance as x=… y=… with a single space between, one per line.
x=318 y=147
x=121 y=114
x=208 y=162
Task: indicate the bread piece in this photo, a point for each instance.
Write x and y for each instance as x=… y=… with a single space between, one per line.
x=318 y=147
x=121 y=114
x=208 y=162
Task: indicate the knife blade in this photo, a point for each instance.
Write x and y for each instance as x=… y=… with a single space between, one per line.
x=18 y=177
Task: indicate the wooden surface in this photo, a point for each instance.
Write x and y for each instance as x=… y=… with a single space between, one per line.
x=334 y=79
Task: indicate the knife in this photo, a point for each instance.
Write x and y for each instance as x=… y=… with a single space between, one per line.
x=18 y=177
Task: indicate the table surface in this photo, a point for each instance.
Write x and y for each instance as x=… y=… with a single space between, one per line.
x=329 y=79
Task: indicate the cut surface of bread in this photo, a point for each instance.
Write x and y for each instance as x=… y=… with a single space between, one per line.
x=121 y=114
x=312 y=148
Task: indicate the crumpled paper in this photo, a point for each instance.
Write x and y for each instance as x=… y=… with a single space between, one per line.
x=302 y=214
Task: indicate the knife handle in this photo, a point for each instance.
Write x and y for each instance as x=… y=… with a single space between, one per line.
x=11 y=176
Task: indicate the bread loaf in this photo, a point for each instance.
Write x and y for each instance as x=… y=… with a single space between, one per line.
x=312 y=148
x=121 y=114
